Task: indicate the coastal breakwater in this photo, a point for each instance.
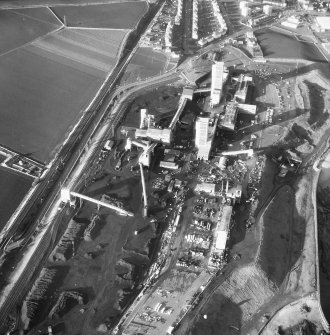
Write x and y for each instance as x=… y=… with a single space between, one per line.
x=21 y=163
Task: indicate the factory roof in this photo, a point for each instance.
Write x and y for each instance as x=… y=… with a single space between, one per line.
x=221 y=240
x=323 y=22
x=229 y=119
x=163 y=135
x=188 y=93
x=224 y=220
x=205 y=187
x=168 y=165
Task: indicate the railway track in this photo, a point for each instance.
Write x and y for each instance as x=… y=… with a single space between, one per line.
x=40 y=254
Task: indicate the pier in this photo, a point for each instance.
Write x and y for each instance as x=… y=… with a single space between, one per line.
x=21 y=163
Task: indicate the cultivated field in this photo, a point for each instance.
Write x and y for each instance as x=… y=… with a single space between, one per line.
x=41 y=14
x=49 y=83
x=275 y=248
x=113 y=16
x=23 y=26
x=41 y=97
x=14 y=4
x=93 y=48
x=145 y=63
x=9 y=200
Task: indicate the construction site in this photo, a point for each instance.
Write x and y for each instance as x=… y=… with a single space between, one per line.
x=197 y=216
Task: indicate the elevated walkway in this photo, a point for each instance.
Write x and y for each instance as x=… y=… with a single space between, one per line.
x=21 y=163
x=182 y=104
x=237 y=152
x=66 y=196
x=202 y=90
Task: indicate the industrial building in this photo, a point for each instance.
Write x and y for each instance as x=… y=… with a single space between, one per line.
x=155 y=134
x=267 y=9
x=217 y=82
x=323 y=23
x=208 y=188
x=195 y=20
x=243 y=85
x=228 y=120
x=247 y=109
x=188 y=93
x=205 y=131
x=221 y=235
x=291 y=22
x=168 y=165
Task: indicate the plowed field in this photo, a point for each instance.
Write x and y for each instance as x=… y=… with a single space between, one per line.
x=114 y=16
x=21 y=27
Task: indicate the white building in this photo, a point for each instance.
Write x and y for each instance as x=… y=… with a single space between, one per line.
x=168 y=36
x=143 y=121
x=291 y=22
x=205 y=131
x=216 y=84
x=323 y=22
x=168 y=165
x=247 y=109
x=188 y=93
x=268 y=9
x=243 y=85
x=202 y=141
x=178 y=15
x=243 y=4
x=202 y=126
x=195 y=20
x=228 y=120
x=208 y=188
x=159 y=135
x=245 y=11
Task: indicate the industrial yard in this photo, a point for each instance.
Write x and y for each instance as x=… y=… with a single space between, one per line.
x=196 y=200
x=189 y=202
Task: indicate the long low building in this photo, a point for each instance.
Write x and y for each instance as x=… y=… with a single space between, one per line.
x=323 y=22
x=228 y=120
x=156 y=134
x=216 y=83
x=221 y=235
x=205 y=187
x=168 y=165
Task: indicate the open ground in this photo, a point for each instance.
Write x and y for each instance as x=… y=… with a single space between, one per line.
x=145 y=63
x=74 y=64
x=113 y=16
x=9 y=200
x=23 y=26
x=284 y=264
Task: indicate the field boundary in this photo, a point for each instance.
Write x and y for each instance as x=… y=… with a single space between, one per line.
x=93 y=28
x=42 y=5
x=58 y=19
x=33 y=18
x=31 y=42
